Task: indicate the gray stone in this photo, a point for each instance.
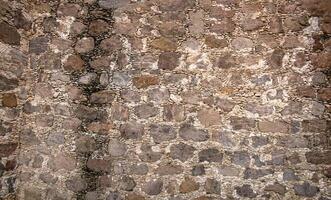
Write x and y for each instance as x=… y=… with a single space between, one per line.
x=116 y=148
x=229 y=171
x=76 y=184
x=84 y=45
x=289 y=175
x=153 y=187
x=198 y=170
x=146 y=110
x=168 y=169
x=168 y=60
x=139 y=169
x=132 y=130
x=121 y=79
x=88 y=78
x=306 y=189
x=189 y=132
x=161 y=133
x=55 y=139
x=210 y=155
x=108 y=4
x=245 y=191
x=148 y=155
x=212 y=186
x=242 y=43
x=38 y=45
x=158 y=95
x=127 y=183
x=250 y=173
x=241 y=158
x=181 y=151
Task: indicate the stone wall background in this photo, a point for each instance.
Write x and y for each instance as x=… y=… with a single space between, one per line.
x=165 y=99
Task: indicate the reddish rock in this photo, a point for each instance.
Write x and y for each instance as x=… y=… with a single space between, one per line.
x=164 y=44
x=74 y=63
x=273 y=126
x=6 y=149
x=9 y=100
x=9 y=34
x=99 y=165
x=144 y=81
x=168 y=60
x=188 y=185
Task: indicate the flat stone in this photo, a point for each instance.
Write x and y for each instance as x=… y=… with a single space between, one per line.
x=108 y=4
x=245 y=191
x=144 y=81
x=9 y=100
x=85 y=144
x=189 y=132
x=119 y=112
x=168 y=60
x=38 y=45
x=146 y=110
x=210 y=155
x=6 y=149
x=164 y=44
x=212 y=186
x=153 y=187
x=74 y=63
x=121 y=79
x=102 y=97
x=174 y=112
x=198 y=170
x=116 y=148
x=132 y=130
x=97 y=27
x=169 y=169
x=305 y=189
x=84 y=45
x=161 y=133
x=188 y=185
x=229 y=171
x=242 y=43
x=76 y=184
x=127 y=183
x=9 y=34
x=251 y=173
x=181 y=151
x=7 y=83
x=209 y=117
x=273 y=126
x=99 y=165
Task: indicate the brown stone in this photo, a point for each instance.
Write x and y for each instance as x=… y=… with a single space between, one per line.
x=168 y=60
x=9 y=100
x=102 y=97
x=100 y=128
x=164 y=44
x=188 y=185
x=209 y=117
x=74 y=63
x=273 y=126
x=9 y=34
x=99 y=165
x=173 y=112
x=278 y=188
x=63 y=161
x=111 y=44
x=225 y=26
x=324 y=94
x=6 y=149
x=169 y=169
x=144 y=81
x=133 y=196
x=84 y=45
x=98 y=27
x=212 y=42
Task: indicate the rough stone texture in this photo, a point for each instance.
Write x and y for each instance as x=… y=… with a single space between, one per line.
x=165 y=99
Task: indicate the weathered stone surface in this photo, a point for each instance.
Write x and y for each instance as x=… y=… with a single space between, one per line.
x=84 y=45
x=251 y=173
x=273 y=127
x=305 y=189
x=225 y=26
x=173 y=112
x=229 y=171
x=198 y=170
x=144 y=81
x=146 y=111
x=181 y=151
x=121 y=79
x=116 y=148
x=277 y=188
x=318 y=157
x=107 y=4
x=63 y=161
x=241 y=43
x=102 y=97
x=127 y=183
x=9 y=34
x=164 y=44
x=98 y=27
x=189 y=132
x=119 y=112
x=169 y=169
x=132 y=130
x=239 y=123
x=38 y=45
x=188 y=185
x=153 y=187
x=99 y=165
x=212 y=186
x=209 y=117
x=6 y=149
x=241 y=158
x=9 y=100
x=210 y=155
x=76 y=184
x=245 y=191
x=168 y=60
x=161 y=133
x=74 y=63
x=85 y=144
x=148 y=155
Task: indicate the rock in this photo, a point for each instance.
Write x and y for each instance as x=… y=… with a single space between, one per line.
x=289 y=175
x=198 y=170
x=161 y=133
x=84 y=45
x=116 y=148
x=276 y=25
x=114 y=196
x=38 y=45
x=224 y=26
x=314 y=125
x=245 y=191
x=85 y=144
x=63 y=161
x=133 y=196
x=164 y=44
x=97 y=27
x=102 y=97
x=197 y=23
x=43 y=120
x=276 y=59
x=225 y=61
x=130 y=96
x=305 y=189
x=132 y=130
x=250 y=173
x=127 y=183
x=74 y=63
x=181 y=151
x=100 y=128
x=32 y=194
x=146 y=110
x=168 y=169
x=144 y=81
x=252 y=24
x=242 y=43
x=55 y=139
x=175 y=5
x=6 y=149
x=88 y=78
x=7 y=84
x=153 y=187
x=111 y=44
x=318 y=157
x=210 y=155
x=9 y=34
x=189 y=132
x=139 y=169
x=278 y=188
x=121 y=79
x=188 y=185
x=229 y=171
x=173 y=112
x=77 y=28
x=168 y=60
x=258 y=141
x=241 y=158
x=212 y=186
x=158 y=95
x=114 y=4
x=68 y=9
x=241 y=123
x=209 y=117
x=76 y=184
x=148 y=155
x=212 y=42
x=99 y=165
x=43 y=90
x=273 y=126
x=9 y=100
x=119 y=112
x=324 y=94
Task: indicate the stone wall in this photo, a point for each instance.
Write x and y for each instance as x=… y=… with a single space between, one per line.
x=165 y=99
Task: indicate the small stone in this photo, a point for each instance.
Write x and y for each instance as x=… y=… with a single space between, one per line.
x=245 y=191
x=212 y=186
x=259 y=141
x=127 y=183
x=225 y=61
x=9 y=34
x=305 y=189
x=161 y=133
x=77 y=28
x=169 y=169
x=276 y=58
x=252 y=24
x=189 y=132
x=119 y=112
x=158 y=95
x=130 y=96
x=319 y=78
x=48 y=178
x=111 y=44
x=22 y=20
x=319 y=157
x=175 y=5
x=114 y=4
x=32 y=194
x=139 y=169
x=99 y=165
x=44 y=90
x=114 y=196
x=168 y=60
x=55 y=139
x=133 y=196
x=146 y=110
x=63 y=161
x=97 y=27
x=74 y=63
x=102 y=97
x=6 y=149
x=225 y=26
x=85 y=144
x=181 y=151
x=251 y=173
x=7 y=84
x=188 y=185
x=38 y=45
x=148 y=155
x=324 y=94
x=241 y=43
x=289 y=175
x=132 y=130
x=273 y=126
x=121 y=79
x=88 y=78
x=9 y=100
x=241 y=123
x=153 y=187
x=209 y=117
x=76 y=184
x=278 y=188
x=198 y=170
x=68 y=9
x=84 y=45
x=116 y=148
x=100 y=128
x=276 y=25
x=144 y=81
x=210 y=155
x=44 y=120
x=229 y=171
x=212 y=42
x=174 y=112
x=164 y=44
